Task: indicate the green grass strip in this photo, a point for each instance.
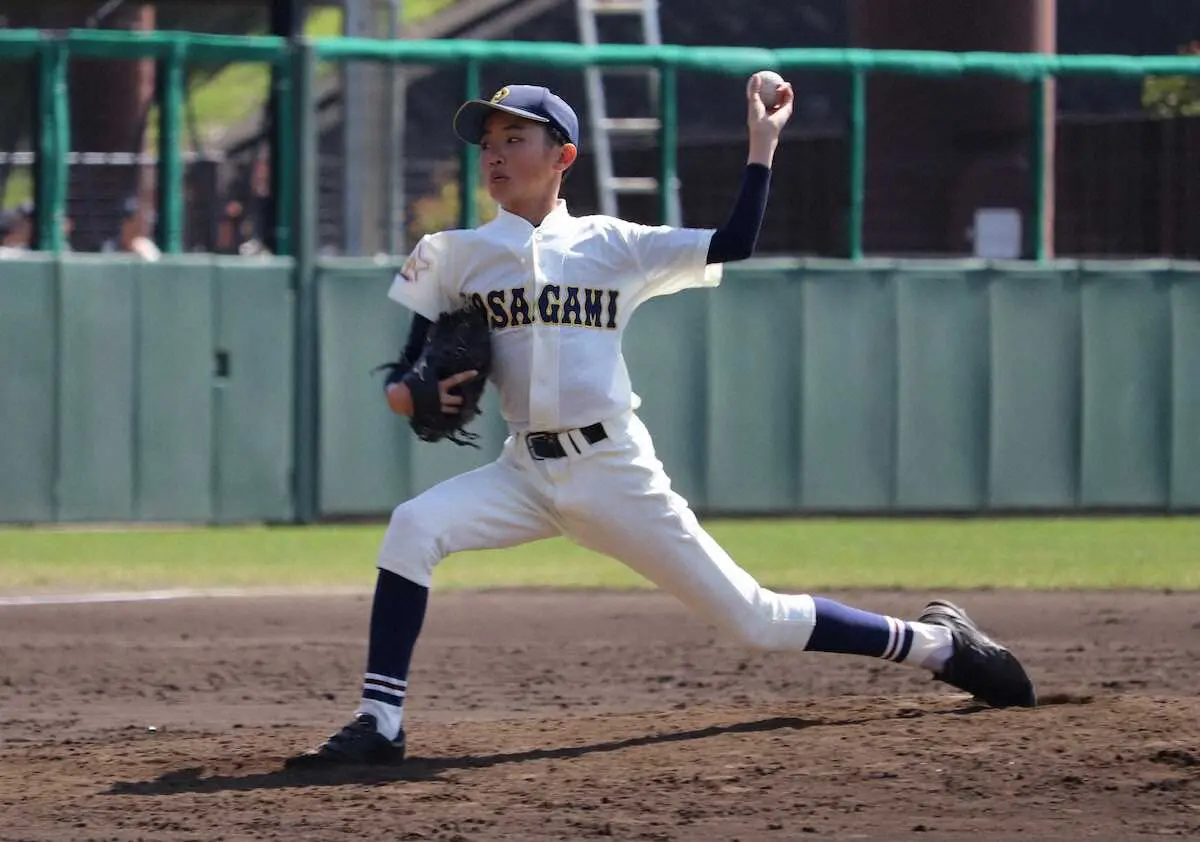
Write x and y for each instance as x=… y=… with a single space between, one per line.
x=808 y=555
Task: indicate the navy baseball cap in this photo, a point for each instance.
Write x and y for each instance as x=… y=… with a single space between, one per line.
x=529 y=101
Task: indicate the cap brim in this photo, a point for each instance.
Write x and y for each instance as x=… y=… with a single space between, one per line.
x=471 y=117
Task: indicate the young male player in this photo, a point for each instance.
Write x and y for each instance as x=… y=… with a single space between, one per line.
x=559 y=291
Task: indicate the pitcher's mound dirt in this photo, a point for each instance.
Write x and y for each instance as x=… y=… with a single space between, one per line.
x=578 y=716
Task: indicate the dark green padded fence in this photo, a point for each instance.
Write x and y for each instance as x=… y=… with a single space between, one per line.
x=1033 y=412
x=758 y=321
x=96 y=390
x=173 y=390
x=1185 y=391
x=839 y=386
x=149 y=392
x=364 y=456
x=1126 y=397
x=941 y=389
x=254 y=392
x=28 y=393
x=165 y=392
x=847 y=379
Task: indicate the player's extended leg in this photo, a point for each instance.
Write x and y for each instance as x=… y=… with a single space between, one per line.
x=491 y=507
x=649 y=527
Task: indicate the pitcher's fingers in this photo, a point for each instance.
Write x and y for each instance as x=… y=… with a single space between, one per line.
x=462 y=377
x=753 y=86
x=451 y=400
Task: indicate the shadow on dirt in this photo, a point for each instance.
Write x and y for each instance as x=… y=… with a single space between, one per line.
x=192 y=779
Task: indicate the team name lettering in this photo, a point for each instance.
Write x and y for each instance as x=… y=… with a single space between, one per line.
x=555 y=305
x=548 y=305
x=519 y=312
x=595 y=301
x=571 y=308
x=495 y=306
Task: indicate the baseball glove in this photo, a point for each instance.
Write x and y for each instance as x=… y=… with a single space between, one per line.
x=458 y=341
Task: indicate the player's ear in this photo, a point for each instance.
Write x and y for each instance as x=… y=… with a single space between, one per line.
x=567 y=153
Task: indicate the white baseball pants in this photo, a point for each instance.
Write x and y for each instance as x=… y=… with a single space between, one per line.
x=612 y=497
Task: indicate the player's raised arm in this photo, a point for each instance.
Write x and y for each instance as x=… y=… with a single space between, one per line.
x=769 y=102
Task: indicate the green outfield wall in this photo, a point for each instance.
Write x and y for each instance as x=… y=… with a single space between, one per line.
x=168 y=392
x=146 y=392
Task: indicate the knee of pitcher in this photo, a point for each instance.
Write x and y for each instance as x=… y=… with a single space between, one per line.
x=410 y=549
x=750 y=630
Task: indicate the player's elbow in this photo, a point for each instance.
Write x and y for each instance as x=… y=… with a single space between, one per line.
x=729 y=246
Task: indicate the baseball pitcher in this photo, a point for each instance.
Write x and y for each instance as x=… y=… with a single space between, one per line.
x=551 y=294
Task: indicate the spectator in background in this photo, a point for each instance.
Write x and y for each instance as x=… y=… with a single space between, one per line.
x=16 y=230
x=11 y=244
x=228 y=228
x=18 y=226
x=235 y=234
x=132 y=235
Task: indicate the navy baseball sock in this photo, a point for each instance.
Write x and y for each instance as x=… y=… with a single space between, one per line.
x=396 y=618
x=851 y=631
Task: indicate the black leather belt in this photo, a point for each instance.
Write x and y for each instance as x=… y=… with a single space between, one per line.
x=549 y=445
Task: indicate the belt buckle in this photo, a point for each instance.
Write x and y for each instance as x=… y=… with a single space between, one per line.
x=530 y=443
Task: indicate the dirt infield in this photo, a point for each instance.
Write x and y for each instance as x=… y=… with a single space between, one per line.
x=567 y=716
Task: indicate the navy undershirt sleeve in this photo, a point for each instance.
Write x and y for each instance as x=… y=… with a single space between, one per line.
x=735 y=240
x=417 y=332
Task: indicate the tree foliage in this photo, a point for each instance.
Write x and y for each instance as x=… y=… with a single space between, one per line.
x=1173 y=96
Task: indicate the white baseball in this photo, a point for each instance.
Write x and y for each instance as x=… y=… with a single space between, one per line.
x=769 y=92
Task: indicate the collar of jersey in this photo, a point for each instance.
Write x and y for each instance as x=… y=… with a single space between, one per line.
x=510 y=225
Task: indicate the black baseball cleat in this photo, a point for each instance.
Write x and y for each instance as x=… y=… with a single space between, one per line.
x=979 y=665
x=357 y=744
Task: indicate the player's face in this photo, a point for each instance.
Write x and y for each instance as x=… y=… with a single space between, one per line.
x=520 y=162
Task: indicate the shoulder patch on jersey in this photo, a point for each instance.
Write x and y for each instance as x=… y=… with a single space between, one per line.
x=417 y=263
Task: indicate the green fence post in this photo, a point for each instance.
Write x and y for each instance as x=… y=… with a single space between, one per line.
x=46 y=129
x=54 y=142
x=305 y=487
x=858 y=161
x=668 y=141
x=468 y=178
x=283 y=79
x=1038 y=168
x=170 y=156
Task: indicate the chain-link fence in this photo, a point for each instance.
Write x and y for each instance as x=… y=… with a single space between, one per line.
x=942 y=155
x=18 y=80
x=111 y=163
x=943 y=149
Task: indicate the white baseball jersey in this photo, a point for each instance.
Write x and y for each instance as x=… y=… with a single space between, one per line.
x=560 y=297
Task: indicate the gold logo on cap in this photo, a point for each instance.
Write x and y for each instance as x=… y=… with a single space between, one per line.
x=500 y=95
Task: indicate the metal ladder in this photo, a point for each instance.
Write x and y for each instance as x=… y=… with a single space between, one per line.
x=609 y=186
